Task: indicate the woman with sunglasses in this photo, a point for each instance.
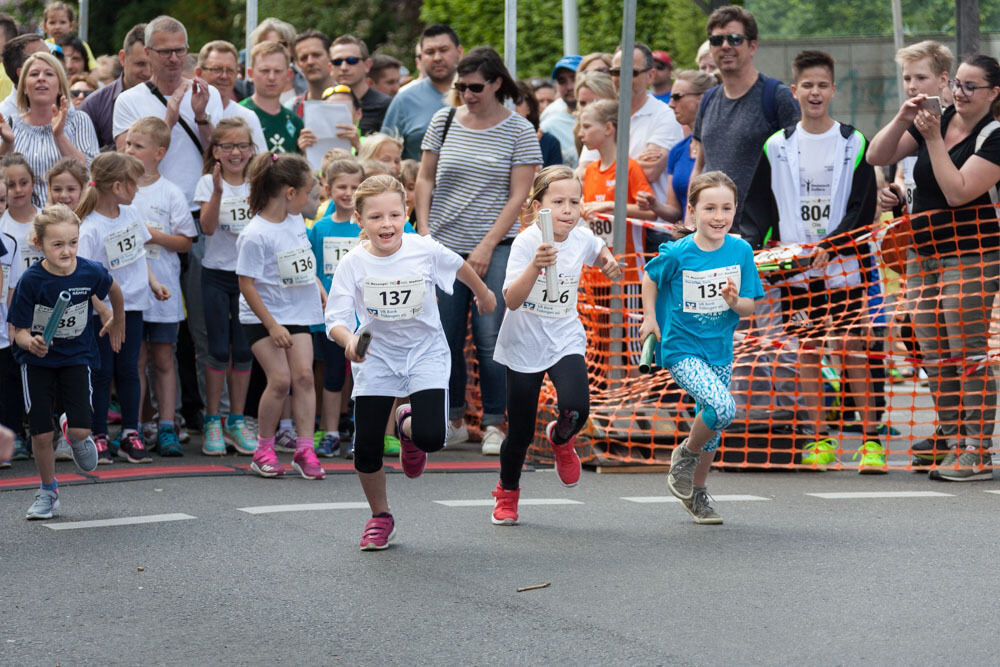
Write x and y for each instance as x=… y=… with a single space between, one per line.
x=953 y=265
x=475 y=173
x=48 y=128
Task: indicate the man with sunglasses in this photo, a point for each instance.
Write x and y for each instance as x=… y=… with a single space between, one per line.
x=189 y=106
x=411 y=109
x=351 y=63
x=737 y=117
x=661 y=76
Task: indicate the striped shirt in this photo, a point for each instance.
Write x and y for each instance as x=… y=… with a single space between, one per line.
x=472 y=184
x=38 y=146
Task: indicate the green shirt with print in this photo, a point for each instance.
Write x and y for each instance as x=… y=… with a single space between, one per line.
x=281 y=130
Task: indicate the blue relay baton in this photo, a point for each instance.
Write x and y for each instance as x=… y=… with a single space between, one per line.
x=57 y=312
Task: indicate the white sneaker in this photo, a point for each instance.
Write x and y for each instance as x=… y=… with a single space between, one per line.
x=457 y=436
x=493 y=437
x=63 y=451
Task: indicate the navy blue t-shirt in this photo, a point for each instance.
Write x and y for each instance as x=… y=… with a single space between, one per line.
x=75 y=342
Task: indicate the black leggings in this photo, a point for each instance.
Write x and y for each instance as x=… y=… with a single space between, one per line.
x=429 y=425
x=569 y=375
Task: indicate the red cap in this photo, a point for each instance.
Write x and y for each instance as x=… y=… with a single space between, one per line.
x=663 y=57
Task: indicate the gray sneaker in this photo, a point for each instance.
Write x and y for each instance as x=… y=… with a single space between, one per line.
x=45 y=503
x=965 y=467
x=700 y=508
x=681 y=475
x=85 y=454
x=63 y=450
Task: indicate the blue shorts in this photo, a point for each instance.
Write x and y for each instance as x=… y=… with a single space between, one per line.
x=160 y=332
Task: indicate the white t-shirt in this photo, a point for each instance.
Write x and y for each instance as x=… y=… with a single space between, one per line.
x=11 y=268
x=164 y=207
x=394 y=298
x=22 y=233
x=909 y=185
x=816 y=153
x=119 y=244
x=234 y=110
x=234 y=216
x=279 y=257
x=183 y=161
x=546 y=327
x=653 y=123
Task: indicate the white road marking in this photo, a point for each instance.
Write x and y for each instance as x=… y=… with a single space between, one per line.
x=993 y=491
x=308 y=507
x=670 y=499
x=523 y=501
x=124 y=521
x=853 y=495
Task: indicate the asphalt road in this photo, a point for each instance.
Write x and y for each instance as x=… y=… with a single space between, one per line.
x=791 y=578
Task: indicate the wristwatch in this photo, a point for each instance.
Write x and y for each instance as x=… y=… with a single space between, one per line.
x=203 y=121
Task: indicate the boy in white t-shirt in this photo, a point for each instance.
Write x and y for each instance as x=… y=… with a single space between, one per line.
x=166 y=215
x=813 y=180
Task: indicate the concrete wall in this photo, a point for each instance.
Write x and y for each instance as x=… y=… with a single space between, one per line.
x=867 y=75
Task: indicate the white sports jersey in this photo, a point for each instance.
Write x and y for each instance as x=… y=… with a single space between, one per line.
x=164 y=207
x=279 y=257
x=234 y=216
x=119 y=245
x=546 y=327
x=394 y=298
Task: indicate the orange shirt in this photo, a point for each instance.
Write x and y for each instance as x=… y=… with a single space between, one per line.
x=599 y=185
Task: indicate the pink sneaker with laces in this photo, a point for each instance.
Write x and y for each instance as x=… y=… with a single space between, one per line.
x=266 y=464
x=305 y=463
x=411 y=458
x=567 y=461
x=378 y=532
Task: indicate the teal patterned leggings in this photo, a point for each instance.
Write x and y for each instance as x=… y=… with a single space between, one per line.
x=708 y=385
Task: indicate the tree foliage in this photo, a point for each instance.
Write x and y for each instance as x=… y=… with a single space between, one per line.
x=676 y=26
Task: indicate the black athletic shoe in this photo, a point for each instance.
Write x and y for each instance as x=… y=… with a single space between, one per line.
x=929 y=451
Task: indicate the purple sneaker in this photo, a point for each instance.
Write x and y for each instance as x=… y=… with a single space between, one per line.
x=378 y=532
x=305 y=463
x=266 y=464
x=411 y=457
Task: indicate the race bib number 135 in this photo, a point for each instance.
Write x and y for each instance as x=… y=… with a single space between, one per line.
x=703 y=289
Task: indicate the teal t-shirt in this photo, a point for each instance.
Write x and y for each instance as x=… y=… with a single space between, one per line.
x=693 y=317
x=330 y=241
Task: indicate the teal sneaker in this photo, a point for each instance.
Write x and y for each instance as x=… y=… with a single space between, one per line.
x=214 y=444
x=237 y=435
x=22 y=451
x=820 y=453
x=167 y=443
x=872 y=455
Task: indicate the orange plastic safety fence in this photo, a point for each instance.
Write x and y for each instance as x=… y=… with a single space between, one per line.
x=895 y=340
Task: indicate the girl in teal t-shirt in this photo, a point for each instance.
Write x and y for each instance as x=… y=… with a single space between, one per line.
x=695 y=291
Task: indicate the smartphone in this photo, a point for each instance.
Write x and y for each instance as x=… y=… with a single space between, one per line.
x=932 y=104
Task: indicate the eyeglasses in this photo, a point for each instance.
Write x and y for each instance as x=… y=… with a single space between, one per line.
x=80 y=93
x=661 y=66
x=350 y=60
x=474 y=87
x=734 y=39
x=243 y=146
x=166 y=53
x=228 y=71
x=617 y=71
x=967 y=88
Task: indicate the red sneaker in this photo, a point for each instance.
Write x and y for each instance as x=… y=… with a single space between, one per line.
x=505 y=511
x=567 y=461
x=378 y=531
x=411 y=458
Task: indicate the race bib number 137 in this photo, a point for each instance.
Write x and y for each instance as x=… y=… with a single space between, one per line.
x=393 y=299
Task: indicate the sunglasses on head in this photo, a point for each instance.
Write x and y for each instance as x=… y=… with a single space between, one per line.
x=350 y=60
x=734 y=39
x=474 y=87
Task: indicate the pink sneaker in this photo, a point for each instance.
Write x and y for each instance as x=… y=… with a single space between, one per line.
x=567 y=461
x=266 y=464
x=505 y=511
x=412 y=458
x=305 y=463
x=378 y=532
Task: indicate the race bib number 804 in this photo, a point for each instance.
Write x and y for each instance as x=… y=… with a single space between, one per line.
x=703 y=289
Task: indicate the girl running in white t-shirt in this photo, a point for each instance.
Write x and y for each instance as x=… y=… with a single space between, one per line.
x=388 y=283
x=21 y=209
x=222 y=192
x=542 y=334
x=280 y=299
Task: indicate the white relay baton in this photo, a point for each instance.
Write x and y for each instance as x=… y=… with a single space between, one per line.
x=551 y=273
